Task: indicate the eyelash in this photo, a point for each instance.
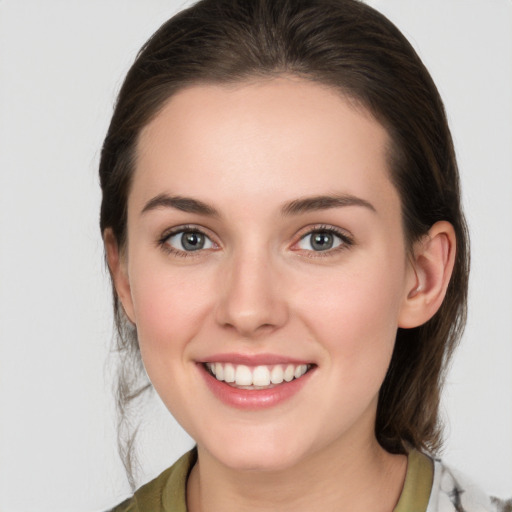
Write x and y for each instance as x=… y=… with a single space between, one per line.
x=346 y=241
x=162 y=242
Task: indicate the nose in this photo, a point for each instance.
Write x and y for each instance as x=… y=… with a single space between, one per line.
x=251 y=299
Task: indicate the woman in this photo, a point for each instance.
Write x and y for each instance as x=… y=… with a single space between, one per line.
x=282 y=222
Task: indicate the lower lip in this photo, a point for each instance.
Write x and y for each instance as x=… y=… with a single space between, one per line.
x=253 y=399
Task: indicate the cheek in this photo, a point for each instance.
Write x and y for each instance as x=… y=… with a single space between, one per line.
x=169 y=309
x=169 y=314
x=356 y=315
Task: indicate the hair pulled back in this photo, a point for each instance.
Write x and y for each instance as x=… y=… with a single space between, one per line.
x=351 y=47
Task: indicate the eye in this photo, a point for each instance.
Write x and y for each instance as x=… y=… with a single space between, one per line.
x=321 y=240
x=189 y=240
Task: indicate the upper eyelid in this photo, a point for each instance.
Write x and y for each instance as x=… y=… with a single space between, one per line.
x=176 y=230
x=342 y=233
x=300 y=234
x=164 y=243
x=347 y=241
x=167 y=233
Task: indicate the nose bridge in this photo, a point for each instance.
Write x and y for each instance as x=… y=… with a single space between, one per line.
x=250 y=299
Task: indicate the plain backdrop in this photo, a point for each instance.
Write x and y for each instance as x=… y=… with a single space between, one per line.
x=61 y=64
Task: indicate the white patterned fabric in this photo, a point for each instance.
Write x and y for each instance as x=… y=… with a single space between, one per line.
x=454 y=492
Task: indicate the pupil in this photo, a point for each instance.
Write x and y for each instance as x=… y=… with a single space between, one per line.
x=192 y=241
x=322 y=241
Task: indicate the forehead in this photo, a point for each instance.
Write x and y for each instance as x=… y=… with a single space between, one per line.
x=255 y=139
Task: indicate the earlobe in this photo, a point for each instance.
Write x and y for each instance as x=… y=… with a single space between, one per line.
x=431 y=269
x=118 y=271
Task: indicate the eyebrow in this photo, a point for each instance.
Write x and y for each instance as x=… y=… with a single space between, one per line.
x=184 y=204
x=295 y=207
x=324 y=202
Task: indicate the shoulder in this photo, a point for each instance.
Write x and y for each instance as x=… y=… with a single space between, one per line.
x=164 y=493
x=452 y=491
x=128 y=505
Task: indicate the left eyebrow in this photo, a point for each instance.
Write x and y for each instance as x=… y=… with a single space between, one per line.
x=314 y=203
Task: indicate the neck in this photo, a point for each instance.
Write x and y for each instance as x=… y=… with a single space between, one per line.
x=342 y=476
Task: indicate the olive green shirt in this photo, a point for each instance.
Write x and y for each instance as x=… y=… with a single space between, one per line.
x=167 y=492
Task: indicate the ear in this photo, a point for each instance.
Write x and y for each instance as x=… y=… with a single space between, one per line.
x=119 y=273
x=431 y=269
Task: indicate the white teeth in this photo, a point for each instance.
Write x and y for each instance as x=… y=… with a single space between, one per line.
x=289 y=373
x=261 y=376
x=300 y=371
x=277 y=375
x=229 y=373
x=243 y=376
x=258 y=376
x=219 y=371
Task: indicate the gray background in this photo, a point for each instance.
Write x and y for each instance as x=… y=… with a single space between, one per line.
x=61 y=63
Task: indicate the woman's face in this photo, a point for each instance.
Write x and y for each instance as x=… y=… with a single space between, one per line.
x=265 y=240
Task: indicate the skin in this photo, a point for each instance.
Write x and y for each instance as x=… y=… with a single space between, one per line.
x=259 y=287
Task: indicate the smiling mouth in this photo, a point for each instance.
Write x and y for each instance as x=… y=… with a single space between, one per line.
x=256 y=377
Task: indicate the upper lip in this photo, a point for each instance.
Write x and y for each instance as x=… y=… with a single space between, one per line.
x=253 y=359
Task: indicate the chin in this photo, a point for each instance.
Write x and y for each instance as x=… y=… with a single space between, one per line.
x=258 y=461
x=258 y=453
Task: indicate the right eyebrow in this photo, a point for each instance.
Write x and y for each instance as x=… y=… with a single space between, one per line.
x=184 y=204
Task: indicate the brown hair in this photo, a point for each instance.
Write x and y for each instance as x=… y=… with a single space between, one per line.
x=353 y=48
